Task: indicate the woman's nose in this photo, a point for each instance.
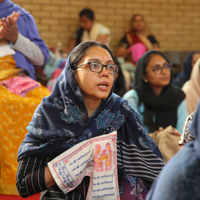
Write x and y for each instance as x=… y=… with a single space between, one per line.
x=104 y=71
x=163 y=70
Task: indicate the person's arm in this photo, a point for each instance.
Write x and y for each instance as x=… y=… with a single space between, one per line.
x=49 y=178
x=32 y=52
x=154 y=42
x=33 y=176
x=122 y=52
x=72 y=44
x=103 y=34
x=103 y=38
x=32 y=46
x=146 y=41
x=123 y=49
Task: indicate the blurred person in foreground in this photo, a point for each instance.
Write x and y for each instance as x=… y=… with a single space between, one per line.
x=192 y=88
x=180 y=178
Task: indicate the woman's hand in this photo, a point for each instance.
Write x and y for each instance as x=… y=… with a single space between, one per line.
x=103 y=38
x=145 y=40
x=2 y=33
x=9 y=28
x=49 y=178
x=174 y=132
x=122 y=52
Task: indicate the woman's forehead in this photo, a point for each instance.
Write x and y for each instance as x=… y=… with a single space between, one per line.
x=156 y=58
x=97 y=52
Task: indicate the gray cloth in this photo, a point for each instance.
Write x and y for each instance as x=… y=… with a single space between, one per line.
x=32 y=52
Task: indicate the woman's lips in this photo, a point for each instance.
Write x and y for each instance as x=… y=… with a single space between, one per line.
x=165 y=78
x=103 y=86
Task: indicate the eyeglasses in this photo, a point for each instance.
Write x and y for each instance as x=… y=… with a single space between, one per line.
x=98 y=67
x=158 y=69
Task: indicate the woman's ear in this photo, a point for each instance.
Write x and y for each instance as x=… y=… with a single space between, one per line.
x=144 y=78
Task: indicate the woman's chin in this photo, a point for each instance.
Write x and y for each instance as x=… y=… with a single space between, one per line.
x=102 y=95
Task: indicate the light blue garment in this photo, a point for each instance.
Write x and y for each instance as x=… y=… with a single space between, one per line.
x=133 y=100
x=178 y=183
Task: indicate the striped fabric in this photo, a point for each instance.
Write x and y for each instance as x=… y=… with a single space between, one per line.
x=146 y=163
x=30 y=180
x=31 y=173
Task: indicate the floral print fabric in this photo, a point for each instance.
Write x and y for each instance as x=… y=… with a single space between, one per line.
x=186 y=135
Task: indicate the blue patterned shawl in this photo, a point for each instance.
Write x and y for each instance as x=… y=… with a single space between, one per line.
x=61 y=121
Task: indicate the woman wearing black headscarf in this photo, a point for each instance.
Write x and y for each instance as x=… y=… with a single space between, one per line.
x=156 y=100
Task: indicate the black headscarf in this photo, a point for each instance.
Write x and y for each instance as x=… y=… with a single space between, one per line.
x=164 y=106
x=79 y=33
x=119 y=87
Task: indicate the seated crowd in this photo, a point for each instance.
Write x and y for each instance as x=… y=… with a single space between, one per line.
x=125 y=112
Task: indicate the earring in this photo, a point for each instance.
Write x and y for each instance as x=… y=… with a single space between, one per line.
x=146 y=80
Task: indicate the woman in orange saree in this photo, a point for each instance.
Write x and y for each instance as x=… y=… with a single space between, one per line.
x=15 y=110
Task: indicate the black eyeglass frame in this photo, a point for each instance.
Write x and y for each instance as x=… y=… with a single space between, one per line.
x=169 y=65
x=101 y=67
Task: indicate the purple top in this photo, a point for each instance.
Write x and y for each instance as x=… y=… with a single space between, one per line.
x=28 y=28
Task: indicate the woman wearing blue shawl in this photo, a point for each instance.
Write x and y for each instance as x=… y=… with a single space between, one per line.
x=180 y=178
x=81 y=107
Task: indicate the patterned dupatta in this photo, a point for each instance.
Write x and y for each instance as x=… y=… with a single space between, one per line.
x=61 y=121
x=132 y=38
